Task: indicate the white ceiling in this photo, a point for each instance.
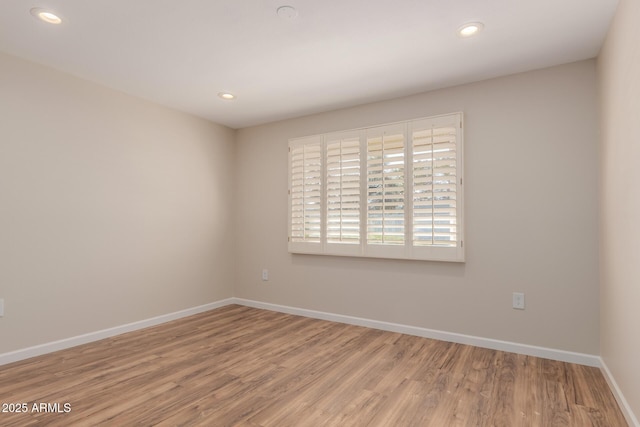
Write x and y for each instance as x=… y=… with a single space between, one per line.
x=181 y=53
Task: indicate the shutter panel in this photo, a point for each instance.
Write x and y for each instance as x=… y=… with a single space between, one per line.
x=305 y=191
x=385 y=185
x=435 y=182
x=343 y=188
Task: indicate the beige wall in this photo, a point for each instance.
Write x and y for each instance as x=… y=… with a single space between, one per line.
x=619 y=78
x=112 y=209
x=531 y=216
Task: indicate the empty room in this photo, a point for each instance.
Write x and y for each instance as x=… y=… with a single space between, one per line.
x=316 y=213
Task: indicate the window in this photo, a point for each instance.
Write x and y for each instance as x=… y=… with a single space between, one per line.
x=391 y=191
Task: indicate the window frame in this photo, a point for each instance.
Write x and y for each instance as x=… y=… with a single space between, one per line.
x=408 y=250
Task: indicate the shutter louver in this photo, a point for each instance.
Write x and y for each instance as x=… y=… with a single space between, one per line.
x=306 y=192
x=343 y=190
x=385 y=187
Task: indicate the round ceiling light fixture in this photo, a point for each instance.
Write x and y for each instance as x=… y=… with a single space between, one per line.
x=470 y=29
x=287 y=12
x=226 y=95
x=46 y=16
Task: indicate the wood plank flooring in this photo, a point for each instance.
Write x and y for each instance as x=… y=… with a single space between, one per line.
x=240 y=366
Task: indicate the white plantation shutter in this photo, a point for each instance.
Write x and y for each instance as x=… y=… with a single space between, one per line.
x=305 y=194
x=392 y=191
x=437 y=187
x=343 y=188
x=385 y=187
x=434 y=184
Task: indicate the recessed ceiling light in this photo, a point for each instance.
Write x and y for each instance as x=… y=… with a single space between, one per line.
x=46 y=15
x=226 y=95
x=470 y=29
x=287 y=12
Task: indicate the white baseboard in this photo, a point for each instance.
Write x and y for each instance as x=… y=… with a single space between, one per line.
x=617 y=393
x=50 y=347
x=548 y=353
x=530 y=350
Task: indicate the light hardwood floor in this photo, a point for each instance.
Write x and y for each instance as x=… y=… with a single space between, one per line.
x=240 y=366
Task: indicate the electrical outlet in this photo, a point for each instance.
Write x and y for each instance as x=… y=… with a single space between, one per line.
x=1 y=307
x=265 y=275
x=518 y=300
